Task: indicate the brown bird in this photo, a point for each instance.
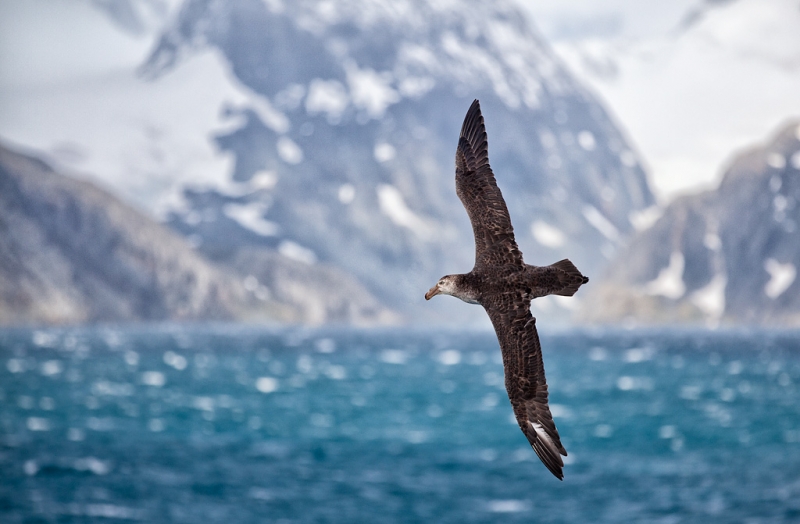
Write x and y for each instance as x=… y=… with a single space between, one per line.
x=504 y=285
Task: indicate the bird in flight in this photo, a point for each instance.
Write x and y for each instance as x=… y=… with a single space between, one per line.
x=504 y=285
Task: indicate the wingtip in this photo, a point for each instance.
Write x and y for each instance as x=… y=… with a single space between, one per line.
x=474 y=132
x=554 y=468
x=558 y=472
x=548 y=450
x=473 y=112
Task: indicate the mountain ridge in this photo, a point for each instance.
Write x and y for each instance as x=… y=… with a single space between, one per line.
x=72 y=253
x=728 y=255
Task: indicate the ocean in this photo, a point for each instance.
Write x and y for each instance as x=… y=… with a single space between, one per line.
x=204 y=424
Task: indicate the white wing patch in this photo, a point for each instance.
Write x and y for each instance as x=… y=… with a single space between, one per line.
x=543 y=436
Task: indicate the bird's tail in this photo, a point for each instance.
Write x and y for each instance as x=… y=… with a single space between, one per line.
x=570 y=278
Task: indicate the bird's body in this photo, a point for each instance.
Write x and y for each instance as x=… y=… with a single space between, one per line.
x=504 y=285
x=485 y=283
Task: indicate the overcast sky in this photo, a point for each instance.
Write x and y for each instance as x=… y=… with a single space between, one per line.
x=691 y=81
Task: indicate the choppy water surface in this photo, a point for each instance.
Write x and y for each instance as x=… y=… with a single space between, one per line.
x=239 y=425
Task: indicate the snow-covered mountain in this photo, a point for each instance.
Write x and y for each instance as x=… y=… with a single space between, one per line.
x=345 y=154
x=325 y=131
x=728 y=255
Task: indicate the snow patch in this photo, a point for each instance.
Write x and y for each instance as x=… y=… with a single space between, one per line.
x=261 y=106
x=712 y=241
x=269 y=116
x=644 y=218
x=669 y=282
x=290 y=96
x=781 y=277
x=586 y=140
x=263 y=180
x=415 y=87
x=251 y=216
x=601 y=223
x=297 y=252
x=289 y=151
x=547 y=235
x=710 y=299
x=370 y=91
x=384 y=152
x=394 y=206
x=347 y=193
x=327 y=96
x=780 y=203
x=479 y=63
x=776 y=160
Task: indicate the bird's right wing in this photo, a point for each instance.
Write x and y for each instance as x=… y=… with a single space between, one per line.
x=524 y=376
x=478 y=191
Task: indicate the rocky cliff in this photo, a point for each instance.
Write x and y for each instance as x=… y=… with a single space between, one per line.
x=729 y=255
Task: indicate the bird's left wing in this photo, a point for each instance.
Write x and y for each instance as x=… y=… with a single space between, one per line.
x=478 y=191
x=524 y=376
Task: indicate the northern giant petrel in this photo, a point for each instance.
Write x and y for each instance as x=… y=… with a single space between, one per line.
x=504 y=285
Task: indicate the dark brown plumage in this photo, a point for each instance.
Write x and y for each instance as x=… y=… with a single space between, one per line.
x=504 y=285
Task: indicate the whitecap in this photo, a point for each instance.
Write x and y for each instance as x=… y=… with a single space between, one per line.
x=508 y=506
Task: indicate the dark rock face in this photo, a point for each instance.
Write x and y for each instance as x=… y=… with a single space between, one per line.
x=352 y=159
x=728 y=255
x=71 y=253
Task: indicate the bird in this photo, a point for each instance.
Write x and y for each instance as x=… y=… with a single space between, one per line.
x=505 y=286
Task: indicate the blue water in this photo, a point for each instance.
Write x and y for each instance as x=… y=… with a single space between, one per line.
x=238 y=425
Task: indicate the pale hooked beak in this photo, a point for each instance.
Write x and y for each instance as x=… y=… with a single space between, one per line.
x=432 y=292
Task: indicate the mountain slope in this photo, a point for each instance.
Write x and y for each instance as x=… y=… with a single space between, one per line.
x=344 y=153
x=71 y=253
x=728 y=255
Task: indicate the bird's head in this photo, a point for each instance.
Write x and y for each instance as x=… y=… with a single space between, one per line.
x=445 y=286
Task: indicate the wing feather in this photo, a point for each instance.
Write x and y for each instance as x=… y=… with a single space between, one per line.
x=478 y=191
x=524 y=376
